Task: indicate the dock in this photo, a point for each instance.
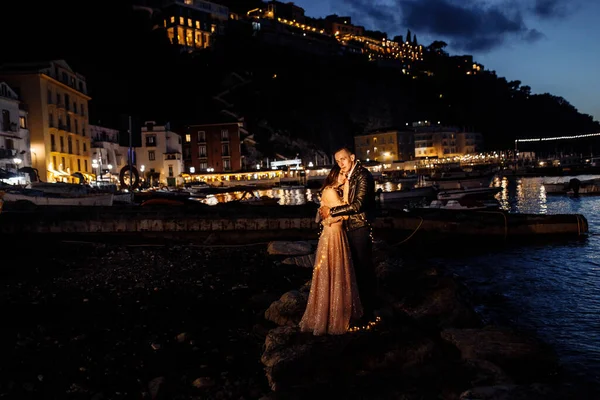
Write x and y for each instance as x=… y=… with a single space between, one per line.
x=243 y=223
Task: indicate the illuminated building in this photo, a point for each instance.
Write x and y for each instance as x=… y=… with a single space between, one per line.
x=385 y=146
x=212 y=147
x=14 y=132
x=57 y=102
x=160 y=154
x=193 y=24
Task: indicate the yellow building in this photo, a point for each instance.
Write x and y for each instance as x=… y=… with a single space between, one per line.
x=58 y=117
x=385 y=146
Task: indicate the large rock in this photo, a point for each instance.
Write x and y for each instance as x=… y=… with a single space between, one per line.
x=288 y=310
x=306 y=261
x=288 y=248
x=439 y=300
x=521 y=356
x=533 y=391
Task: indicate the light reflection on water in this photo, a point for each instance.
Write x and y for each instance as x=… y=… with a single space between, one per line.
x=553 y=289
x=287 y=197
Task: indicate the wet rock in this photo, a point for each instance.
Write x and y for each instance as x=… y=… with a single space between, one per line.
x=521 y=356
x=306 y=261
x=288 y=248
x=288 y=310
x=533 y=391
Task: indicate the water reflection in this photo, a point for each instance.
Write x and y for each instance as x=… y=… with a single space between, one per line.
x=287 y=197
x=518 y=195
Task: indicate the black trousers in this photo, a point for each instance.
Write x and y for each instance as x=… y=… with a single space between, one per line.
x=361 y=248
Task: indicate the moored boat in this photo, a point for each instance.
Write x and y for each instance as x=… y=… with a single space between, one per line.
x=42 y=198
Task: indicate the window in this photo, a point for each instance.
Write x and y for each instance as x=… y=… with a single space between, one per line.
x=187 y=154
x=62 y=163
x=51 y=120
x=82 y=110
x=225 y=150
x=5 y=120
x=70 y=145
x=224 y=134
x=202 y=151
x=76 y=127
x=151 y=155
x=77 y=149
x=226 y=164
x=78 y=164
x=170 y=171
x=203 y=165
x=84 y=147
x=85 y=164
x=22 y=122
x=201 y=136
x=49 y=96
x=54 y=162
x=188 y=138
x=181 y=21
x=62 y=144
x=52 y=143
x=150 y=140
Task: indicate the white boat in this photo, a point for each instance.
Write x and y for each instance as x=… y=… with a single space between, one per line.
x=406 y=194
x=483 y=192
x=41 y=198
x=464 y=205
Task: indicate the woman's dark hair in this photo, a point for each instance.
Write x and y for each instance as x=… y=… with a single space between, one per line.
x=331 y=177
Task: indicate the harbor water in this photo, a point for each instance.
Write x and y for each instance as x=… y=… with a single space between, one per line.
x=551 y=290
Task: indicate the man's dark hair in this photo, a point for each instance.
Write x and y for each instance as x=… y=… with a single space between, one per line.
x=346 y=148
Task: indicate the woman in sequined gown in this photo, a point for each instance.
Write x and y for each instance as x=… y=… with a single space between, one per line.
x=333 y=300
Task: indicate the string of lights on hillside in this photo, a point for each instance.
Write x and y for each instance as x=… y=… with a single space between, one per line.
x=557 y=138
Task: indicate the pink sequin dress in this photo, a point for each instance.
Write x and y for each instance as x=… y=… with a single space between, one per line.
x=333 y=300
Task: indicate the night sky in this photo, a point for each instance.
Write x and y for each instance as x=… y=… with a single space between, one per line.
x=551 y=45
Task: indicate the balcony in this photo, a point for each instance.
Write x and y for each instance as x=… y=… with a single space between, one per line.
x=8 y=153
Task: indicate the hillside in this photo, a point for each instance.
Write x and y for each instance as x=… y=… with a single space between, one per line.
x=131 y=69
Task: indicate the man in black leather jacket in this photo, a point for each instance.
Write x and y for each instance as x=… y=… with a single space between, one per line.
x=360 y=209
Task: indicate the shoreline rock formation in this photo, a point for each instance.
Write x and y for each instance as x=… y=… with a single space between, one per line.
x=429 y=343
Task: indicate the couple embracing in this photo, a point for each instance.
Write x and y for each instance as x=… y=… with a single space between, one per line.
x=343 y=288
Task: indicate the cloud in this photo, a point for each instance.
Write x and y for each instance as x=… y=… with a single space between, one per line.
x=550 y=8
x=470 y=25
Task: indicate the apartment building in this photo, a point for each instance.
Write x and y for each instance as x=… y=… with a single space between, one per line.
x=57 y=101
x=385 y=146
x=14 y=132
x=108 y=156
x=159 y=157
x=212 y=148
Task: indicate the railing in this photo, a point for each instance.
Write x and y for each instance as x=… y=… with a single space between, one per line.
x=8 y=153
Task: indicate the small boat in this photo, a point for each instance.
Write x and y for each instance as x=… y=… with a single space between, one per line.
x=406 y=194
x=42 y=198
x=465 y=205
x=484 y=192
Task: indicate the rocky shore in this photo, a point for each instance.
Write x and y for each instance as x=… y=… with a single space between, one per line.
x=95 y=320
